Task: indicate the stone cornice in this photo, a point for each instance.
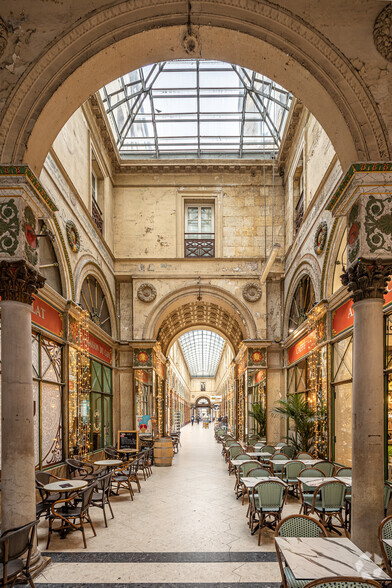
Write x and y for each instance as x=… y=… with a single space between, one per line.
x=289 y=132
x=25 y=171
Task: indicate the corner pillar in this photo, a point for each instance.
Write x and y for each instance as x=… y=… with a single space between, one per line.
x=274 y=393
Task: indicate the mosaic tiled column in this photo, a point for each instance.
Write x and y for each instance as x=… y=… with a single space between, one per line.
x=365 y=199
x=21 y=205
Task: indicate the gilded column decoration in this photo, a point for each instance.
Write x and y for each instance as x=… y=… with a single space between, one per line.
x=367 y=279
x=19 y=282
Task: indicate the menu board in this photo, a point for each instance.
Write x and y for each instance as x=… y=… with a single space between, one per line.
x=128 y=440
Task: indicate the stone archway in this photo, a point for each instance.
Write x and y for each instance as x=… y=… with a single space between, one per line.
x=259 y=35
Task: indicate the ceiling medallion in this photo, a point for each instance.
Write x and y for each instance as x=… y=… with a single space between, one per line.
x=252 y=292
x=72 y=236
x=146 y=292
x=382 y=32
x=320 y=238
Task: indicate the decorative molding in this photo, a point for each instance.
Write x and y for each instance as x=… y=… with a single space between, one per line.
x=320 y=238
x=382 y=32
x=65 y=251
x=367 y=279
x=326 y=260
x=31 y=244
x=73 y=236
x=9 y=227
x=3 y=37
x=19 y=282
x=295 y=114
x=24 y=170
x=252 y=292
x=146 y=292
x=356 y=168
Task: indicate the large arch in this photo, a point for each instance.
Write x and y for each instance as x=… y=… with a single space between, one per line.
x=181 y=310
x=257 y=34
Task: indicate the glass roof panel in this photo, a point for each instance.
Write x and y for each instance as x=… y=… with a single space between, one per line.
x=196 y=108
x=202 y=351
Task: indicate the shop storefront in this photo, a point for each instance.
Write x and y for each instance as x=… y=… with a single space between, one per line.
x=250 y=388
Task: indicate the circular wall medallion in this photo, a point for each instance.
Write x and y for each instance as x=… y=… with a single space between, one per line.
x=257 y=357
x=142 y=357
x=320 y=238
x=146 y=292
x=252 y=292
x=72 y=236
x=382 y=32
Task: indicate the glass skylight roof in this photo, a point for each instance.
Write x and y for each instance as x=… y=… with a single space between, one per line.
x=202 y=351
x=196 y=109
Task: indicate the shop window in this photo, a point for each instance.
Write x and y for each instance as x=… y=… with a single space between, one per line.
x=93 y=299
x=49 y=266
x=340 y=262
x=342 y=394
x=199 y=230
x=303 y=301
x=101 y=405
x=48 y=389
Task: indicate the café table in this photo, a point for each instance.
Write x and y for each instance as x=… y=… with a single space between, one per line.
x=306 y=462
x=315 y=482
x=109 y=463
x=127 y=452
x=251 y=482
x=313 y=558
x=259 y=454
x=65 y=487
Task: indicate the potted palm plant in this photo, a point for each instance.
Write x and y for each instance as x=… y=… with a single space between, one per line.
x=259 y=413
x=296 y=408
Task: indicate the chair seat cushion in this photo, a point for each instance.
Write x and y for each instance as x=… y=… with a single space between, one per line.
x=291 y=581
x=14 y=567
x=71 y=512
x=268 y=509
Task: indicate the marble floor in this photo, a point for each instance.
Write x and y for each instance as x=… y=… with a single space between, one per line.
x=185 y=528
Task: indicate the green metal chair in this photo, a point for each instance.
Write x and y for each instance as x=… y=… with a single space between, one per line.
x=387 y=498
x=238 y=456
x=268 y=498
x=328 y=503
x=327 y=467
x=290 y=473
x=385 y=532
x=304 y=455
x=344 y=472
x=269 y=449
x=257 y=472
x=233 y=453
x=242 y=472
x=343 y=582
x=260 y=444
x=277 y=467
x=288 y=450
x=306 y=491
x=296 y=526
x=281 y=444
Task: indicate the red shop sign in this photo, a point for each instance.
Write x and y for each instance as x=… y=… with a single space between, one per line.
x=99 y=349
x=46 y=316
x=302 y=347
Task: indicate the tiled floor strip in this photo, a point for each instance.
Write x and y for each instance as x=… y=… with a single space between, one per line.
x=180 y=557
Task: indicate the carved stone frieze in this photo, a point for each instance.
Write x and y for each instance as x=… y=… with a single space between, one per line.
x=146 y=292
x=18 y=281
x=367 y=278
x=382 y=32
x=251 y=292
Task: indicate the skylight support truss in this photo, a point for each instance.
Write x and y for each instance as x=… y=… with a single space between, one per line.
x=198 y=109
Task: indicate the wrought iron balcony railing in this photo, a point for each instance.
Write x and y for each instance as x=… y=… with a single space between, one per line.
x=199 y=245
x=97 y=215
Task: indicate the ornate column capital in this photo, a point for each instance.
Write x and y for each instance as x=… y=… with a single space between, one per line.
x=367 y=278
x=19 y=281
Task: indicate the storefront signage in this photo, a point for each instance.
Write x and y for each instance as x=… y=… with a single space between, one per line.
x=302 y=347
x=99 y=349
x=46 y=316
x=259 y=376
x=343 y=316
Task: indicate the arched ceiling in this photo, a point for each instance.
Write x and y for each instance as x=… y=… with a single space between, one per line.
x=199 y=314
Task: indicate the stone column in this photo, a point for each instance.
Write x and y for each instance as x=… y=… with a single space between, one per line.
x=274 y=393
x=367 y=280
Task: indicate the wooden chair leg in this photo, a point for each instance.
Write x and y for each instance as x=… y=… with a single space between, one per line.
x=104 y=514
x=91 y=524
x=110 y=507
x=84 y=536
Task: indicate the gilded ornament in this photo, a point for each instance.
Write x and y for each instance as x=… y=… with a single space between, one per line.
x=320 y=238
x=251 y=292
x=9 y=227
x=31 y=244
x=18 y=281
x=382 y=32
x=146 y=292
x=72 y=236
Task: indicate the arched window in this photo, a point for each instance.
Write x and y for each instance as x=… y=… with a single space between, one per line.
x=49 y=266
x=93 y=299
x=303 y=300
x=340 y=261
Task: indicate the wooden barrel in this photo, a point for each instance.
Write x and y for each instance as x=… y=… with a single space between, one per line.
x=163 y=452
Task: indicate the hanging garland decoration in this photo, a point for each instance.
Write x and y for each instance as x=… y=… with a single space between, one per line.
x=320 y=238
x=72 y=236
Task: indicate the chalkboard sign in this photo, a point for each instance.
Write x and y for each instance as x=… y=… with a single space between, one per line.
x=128 y=440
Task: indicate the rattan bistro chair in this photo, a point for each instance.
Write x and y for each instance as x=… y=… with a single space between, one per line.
x=343 y=582
x=243 y=470
x=268 y=498
x=15 y=544
x=288 y=450
x=296 y=526
x=79 y=468
x=101 y=495
x=306 y=492
x=385 y=532
x=328 y=503
x=278 y=467
x=304 y=455
x=76 y=514
x=41 y=479
x=290 y=473
x=327 y=467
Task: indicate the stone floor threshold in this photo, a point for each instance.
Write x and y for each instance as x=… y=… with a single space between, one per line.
x=170 y=585
x=163 y=557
